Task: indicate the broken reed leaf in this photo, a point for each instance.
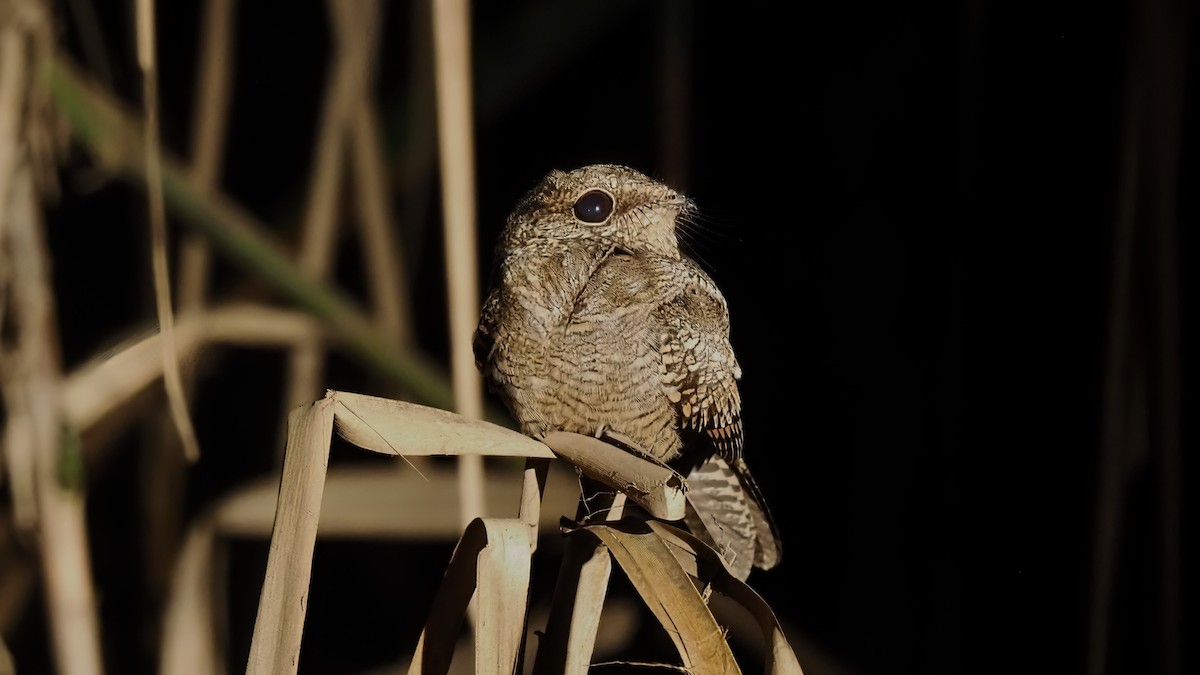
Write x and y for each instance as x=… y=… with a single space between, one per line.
x=567 y=646
x=275 y=646
x=493 y=557
x=694 y=554
x=670 y=595
x=190 y=620
x=655 y=487
x=401 y=428
x=503 y=592
x=395 y=427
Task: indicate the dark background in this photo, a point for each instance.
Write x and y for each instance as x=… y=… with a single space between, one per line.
x=912 y=212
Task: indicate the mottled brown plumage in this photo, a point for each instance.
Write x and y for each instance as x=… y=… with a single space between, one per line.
x=596 y=321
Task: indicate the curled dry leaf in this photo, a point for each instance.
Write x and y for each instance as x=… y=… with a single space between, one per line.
x=705 y=564
x=493 y=556
x=670 y=595
x=399 y=428
x=655 y=487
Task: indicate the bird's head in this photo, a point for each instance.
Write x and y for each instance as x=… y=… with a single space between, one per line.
x=602 y=202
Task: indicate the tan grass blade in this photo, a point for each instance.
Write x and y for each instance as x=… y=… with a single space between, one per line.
x=400 y=428
x=533 y=493
x=503 y=585
x=34 y=393
x=452 y=71
x=173 y=381
x=275 y=647
x=571 y=629
x=493 y=557
x=188 y=644
x=671 y=596
x=700 y=561
x=105 y=384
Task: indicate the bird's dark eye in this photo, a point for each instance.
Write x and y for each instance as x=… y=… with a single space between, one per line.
x=595 y=206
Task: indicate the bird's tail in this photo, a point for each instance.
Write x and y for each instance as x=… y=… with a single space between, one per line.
x=727 y=510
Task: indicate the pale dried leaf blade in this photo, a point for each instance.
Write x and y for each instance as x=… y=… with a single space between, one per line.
x=655 y=487
x=275 y=647
x=694 y=554
x=400 y=428
x=503 y=583
x=435 y=649
x=567 y=645
x=189 y=643
x=671 y=597
x=114 y=378
x=173 y=381
x=533 y=493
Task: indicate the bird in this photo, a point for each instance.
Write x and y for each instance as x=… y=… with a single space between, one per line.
x=595 y=321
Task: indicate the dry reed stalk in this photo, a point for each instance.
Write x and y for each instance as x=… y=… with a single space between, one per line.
x=254 y=325
x=172 y=380
x=14 y=68
x=162 y=476
x=566 y=647
x=13 y=91
x=275 y=647
x=34 y=434
x=491 y=563
x=278 y=627
x=104 y=385
x=188 y=644
x=32 y=397
x=452 y=73
x=107 y=385
x=401 y=428
x=533 y=493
